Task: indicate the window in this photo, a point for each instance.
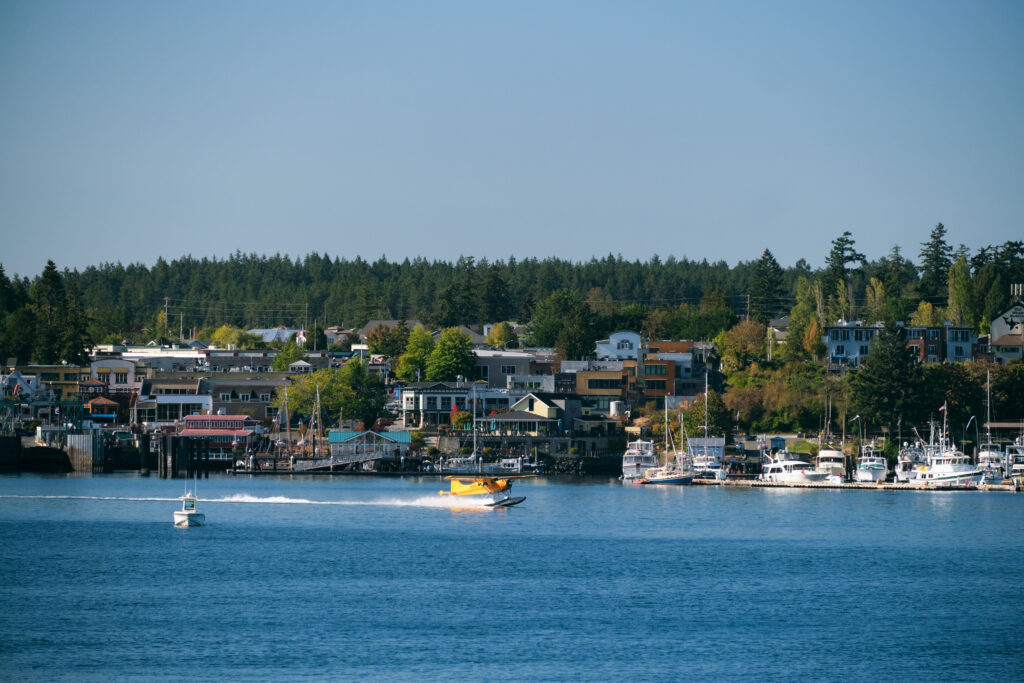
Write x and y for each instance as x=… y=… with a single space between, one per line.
x=655 y=384
x=508 y=369
x=264 y=398
x=244 y=397
x=225 y=397
x=863 y=350
x=933 y=334
x=483 y=372
x=121 y=377
x=431 y=402
x=858 y=335
x=446 y=403
x=932 y=349
x=103 y=376
x=271 y=411
x=624 y=344
x=604 y=384
x=840 y=350
x=655 y=369
x=50 y=376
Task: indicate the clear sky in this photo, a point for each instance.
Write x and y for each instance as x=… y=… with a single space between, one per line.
x=132 y=130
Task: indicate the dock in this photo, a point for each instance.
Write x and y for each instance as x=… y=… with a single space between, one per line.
x=854 y=485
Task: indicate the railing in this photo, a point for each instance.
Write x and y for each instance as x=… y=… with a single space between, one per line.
x=344 y=459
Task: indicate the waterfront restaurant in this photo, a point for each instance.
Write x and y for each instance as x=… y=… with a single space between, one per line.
x=222 y=432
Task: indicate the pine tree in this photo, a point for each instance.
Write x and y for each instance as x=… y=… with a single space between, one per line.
x=935 y=262
x=883 y=387
x=842 y=253
x=767 y=288
x=74 y=340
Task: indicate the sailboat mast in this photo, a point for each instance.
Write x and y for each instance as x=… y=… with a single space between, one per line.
x=287 y=421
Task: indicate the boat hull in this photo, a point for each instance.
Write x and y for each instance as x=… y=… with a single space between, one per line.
x=870 y=476
x=677 y=480
x=187 y=518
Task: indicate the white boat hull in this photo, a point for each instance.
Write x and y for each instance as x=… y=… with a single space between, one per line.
x=808 y=477
x=188 y=518
x=871 y=475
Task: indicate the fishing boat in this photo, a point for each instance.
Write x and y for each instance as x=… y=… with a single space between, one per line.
x=638 y=458
x=483 y=491
x=871 y=465
x=188 y=515
x=947 y=466
x=910 y=459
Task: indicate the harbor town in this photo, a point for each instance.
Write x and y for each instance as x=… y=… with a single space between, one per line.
x=631 y=407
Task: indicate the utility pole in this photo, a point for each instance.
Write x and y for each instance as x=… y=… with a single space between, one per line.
x=166 y=301
x=748 y=307
x=181 y=325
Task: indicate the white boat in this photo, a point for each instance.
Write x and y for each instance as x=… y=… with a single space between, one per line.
x=188 y=515
x=910 y=459
x=638 y=458
x=785 y=468
x=947 y=466
x=993 y=462
x=871 y=465
x=1015 y=460
x=832 y=462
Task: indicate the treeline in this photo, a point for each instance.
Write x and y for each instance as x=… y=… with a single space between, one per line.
x=661 y=298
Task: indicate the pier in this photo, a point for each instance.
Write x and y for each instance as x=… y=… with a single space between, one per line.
x=854 y=485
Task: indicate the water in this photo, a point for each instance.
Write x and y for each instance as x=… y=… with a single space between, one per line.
x=369 y=579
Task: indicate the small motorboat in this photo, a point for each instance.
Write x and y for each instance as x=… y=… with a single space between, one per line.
x=188 y=515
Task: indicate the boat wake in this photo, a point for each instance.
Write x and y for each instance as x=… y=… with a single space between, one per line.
x=435 y=501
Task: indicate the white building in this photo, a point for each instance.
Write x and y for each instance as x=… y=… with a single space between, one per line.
x=621 y=345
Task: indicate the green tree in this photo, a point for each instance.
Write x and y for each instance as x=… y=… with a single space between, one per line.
x=962 y=308
x=502 y=336
x=874 y=301
x=349 y=391
x=742 y=344
x=552 y=314
x=452 y=357
x=839 y=257
x=576 y=338
x=412 y=365
x=766 y=296
x=390 y=342
x=720 y=418
x=290 y=353
x=936 y=258
x=16 y=340
x=74 y=342
x=926 y=315
x=883 y=387
x=800 y=317
x=48 y=301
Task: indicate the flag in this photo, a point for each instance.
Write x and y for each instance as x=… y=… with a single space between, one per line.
x=942 y=408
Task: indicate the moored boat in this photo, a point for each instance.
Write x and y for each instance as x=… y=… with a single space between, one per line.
x=638 y=458
x=785 y=468
x=871 y=465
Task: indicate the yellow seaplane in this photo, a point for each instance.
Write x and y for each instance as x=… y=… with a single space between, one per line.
x=489 y=491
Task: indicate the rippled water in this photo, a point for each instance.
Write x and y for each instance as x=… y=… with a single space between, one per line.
x=345 y=578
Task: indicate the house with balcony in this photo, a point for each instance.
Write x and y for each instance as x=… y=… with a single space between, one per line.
x=164 y=401
x=253 y=397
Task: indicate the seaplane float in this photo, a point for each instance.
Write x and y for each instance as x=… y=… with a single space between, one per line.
x=484 y=491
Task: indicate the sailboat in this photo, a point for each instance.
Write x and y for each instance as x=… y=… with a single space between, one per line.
x=674 y=472
x=708 y=459
x=990 y=458
x=188 y=515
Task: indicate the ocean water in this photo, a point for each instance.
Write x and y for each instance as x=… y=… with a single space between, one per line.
x=587 y=580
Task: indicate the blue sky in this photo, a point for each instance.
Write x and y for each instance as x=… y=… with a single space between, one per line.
x=132 y=130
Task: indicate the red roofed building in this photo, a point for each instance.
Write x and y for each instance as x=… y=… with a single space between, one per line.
x=221 y=431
